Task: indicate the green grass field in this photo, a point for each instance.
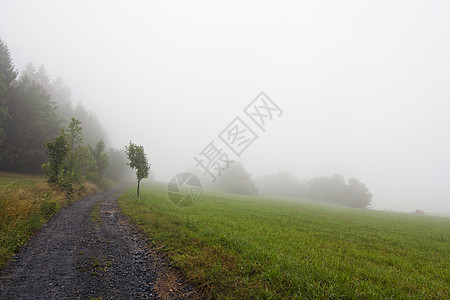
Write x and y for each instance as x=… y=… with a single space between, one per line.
x=252 y=247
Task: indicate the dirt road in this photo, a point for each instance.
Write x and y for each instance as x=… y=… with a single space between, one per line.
x=89 y=250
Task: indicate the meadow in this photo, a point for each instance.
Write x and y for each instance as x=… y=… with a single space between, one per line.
x=250 y=247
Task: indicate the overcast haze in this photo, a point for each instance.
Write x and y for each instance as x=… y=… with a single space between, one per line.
x=364 y=85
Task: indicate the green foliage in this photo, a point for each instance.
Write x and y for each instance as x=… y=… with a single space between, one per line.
x=3 y=111
x=242 y=247
x=32 y=109
x=48 y=209
x=57 y=152
x=137 y=159
x=7 y=77
x=80 y=163
x=71 y=162
x=60 y=94
x=6 y=66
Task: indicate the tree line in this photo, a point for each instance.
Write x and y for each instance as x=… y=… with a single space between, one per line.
x=41 y=130
x=334 y=189
x=37 y=116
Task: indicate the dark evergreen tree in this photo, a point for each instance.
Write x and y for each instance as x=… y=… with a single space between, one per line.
x=29 y=118
x=60 y=93
x=7 y=76
x=32 y=121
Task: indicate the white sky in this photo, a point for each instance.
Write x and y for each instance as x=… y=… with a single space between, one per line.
x=364 y=85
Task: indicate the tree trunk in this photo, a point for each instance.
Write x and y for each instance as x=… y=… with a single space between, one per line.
x=139 y=181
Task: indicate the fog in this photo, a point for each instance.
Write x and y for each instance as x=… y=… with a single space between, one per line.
x=363 y=85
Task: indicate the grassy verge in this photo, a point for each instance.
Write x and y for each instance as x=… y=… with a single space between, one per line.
x=96 y=217
x=250 y=247
x=26 y=203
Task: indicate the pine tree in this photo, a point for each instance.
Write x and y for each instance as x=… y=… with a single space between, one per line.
x=7 y=77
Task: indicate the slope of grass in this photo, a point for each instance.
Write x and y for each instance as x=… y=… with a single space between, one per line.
x=251 y=247
x=26 y=203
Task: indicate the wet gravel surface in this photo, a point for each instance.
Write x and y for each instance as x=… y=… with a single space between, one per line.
x=89 y=250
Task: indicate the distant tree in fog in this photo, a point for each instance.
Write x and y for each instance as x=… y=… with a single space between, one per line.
x=357 y=194
x=282 y=184
x=335 y=189
x=327 y=188
x=236 y=180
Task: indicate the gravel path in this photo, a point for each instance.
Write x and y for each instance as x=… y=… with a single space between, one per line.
x=89 y=250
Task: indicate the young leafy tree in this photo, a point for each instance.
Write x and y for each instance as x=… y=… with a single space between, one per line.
x=74 y=140
x=137 y=160
x=57 y=154
x=70 y=162
x=80 y=163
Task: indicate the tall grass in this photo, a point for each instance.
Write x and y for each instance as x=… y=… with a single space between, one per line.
x=26 y=203
x=251 y=247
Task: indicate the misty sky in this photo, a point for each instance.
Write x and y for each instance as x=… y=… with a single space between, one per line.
x=364 y=85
